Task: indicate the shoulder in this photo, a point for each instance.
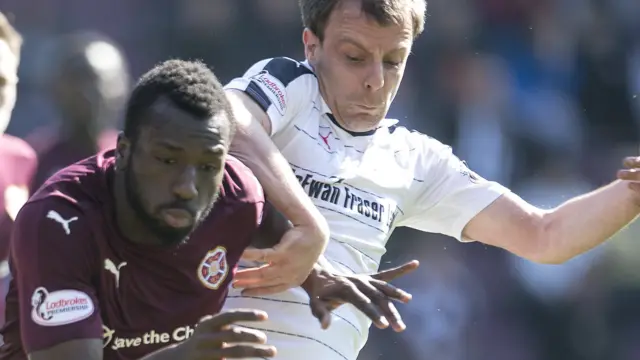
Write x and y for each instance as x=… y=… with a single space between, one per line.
x=240 y=184
x=84 y=183
x=283 y=69
x=53 y=226
x=422 y=145
x=277 y=84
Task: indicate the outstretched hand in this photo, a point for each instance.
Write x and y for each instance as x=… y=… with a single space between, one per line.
x=287 y=264
x=371 y=294
x=631 y=172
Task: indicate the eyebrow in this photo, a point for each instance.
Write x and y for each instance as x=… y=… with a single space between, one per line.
x=215 y=150
x=355 y=43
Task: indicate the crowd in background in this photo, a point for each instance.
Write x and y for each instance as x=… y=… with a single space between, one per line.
x=542 y=96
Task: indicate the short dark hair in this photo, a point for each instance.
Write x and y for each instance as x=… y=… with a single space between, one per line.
x=190 y=85
x=316 y=13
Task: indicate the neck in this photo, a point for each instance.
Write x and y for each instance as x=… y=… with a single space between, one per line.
x=127 y=220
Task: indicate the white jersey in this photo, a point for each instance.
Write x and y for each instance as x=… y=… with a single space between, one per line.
x=365 y=184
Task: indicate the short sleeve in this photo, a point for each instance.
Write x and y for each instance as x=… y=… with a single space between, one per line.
x=280 y=86
x=52 y=258
x=446 y=194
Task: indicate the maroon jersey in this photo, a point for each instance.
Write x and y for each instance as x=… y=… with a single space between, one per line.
x=76 y=277
x=17 y=165
x=56 y=153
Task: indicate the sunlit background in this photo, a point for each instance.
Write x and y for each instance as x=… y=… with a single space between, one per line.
x=541 y=95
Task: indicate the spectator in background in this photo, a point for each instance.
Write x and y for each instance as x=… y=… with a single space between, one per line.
x=17 y=159
x=89 y=83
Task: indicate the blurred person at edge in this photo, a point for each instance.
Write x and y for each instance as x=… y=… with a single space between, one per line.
x=17 y=159
x=88 y=85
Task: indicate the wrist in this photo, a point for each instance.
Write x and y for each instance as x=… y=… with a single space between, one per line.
x=311 y=280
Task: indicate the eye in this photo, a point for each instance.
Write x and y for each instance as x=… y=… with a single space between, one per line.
x=353 y=59
x=392 y=64
x=166 y=161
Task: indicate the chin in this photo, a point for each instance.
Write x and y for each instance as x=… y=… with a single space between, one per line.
x=364 y=122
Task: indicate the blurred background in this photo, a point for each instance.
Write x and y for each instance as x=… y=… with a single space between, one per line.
x=542 y=96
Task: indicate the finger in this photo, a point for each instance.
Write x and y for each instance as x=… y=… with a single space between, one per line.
x=351 y=294
x=269 y=290
x=391 y=291
x=261 y=255
x=269 y=275
x=321 y=311
x=234 y=334
x=249 y=273
x=239 y=351
x=218 y=321
x=385 y=305
x=631 y=162
x=634 y=186
x=630 y=174
x=391 y=274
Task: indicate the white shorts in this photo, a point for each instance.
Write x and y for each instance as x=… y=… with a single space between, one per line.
x=297 y=334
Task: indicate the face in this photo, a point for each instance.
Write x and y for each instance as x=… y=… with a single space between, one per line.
x=8 y=83
x=174 y=169
x=359 y=64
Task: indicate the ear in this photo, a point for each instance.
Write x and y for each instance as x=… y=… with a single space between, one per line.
x=311 y=45
x=123 y=151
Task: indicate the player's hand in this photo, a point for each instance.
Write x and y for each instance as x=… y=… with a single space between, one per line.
x=631 y=172
x=371 y=294
x=216 y=337
x=287 y=264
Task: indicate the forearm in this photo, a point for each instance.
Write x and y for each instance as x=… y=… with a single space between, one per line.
x=584 y=222
x=253 y=146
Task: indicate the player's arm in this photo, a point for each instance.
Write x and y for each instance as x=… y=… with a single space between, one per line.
x=52 y=254
x=264 y=100
x=555 y=236
x=263 y=105
x=459 y=203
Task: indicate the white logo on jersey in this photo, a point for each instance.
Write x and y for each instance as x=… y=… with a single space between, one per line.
x=60 y=307
x=214 y=268
x=325 y=139
x=152 y=337
x=275 y=89
x=55 y=216
x=115 y=270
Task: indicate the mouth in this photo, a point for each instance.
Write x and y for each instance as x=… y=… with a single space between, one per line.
x=367 y=108
x=177 y=218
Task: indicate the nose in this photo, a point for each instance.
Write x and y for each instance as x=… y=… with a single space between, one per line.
x=185 y=185
x=375 y=77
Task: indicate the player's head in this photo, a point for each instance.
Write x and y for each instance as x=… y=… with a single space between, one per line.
x=10 y=43
x=178 y=128
x=89 y=81
x=359 y=49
